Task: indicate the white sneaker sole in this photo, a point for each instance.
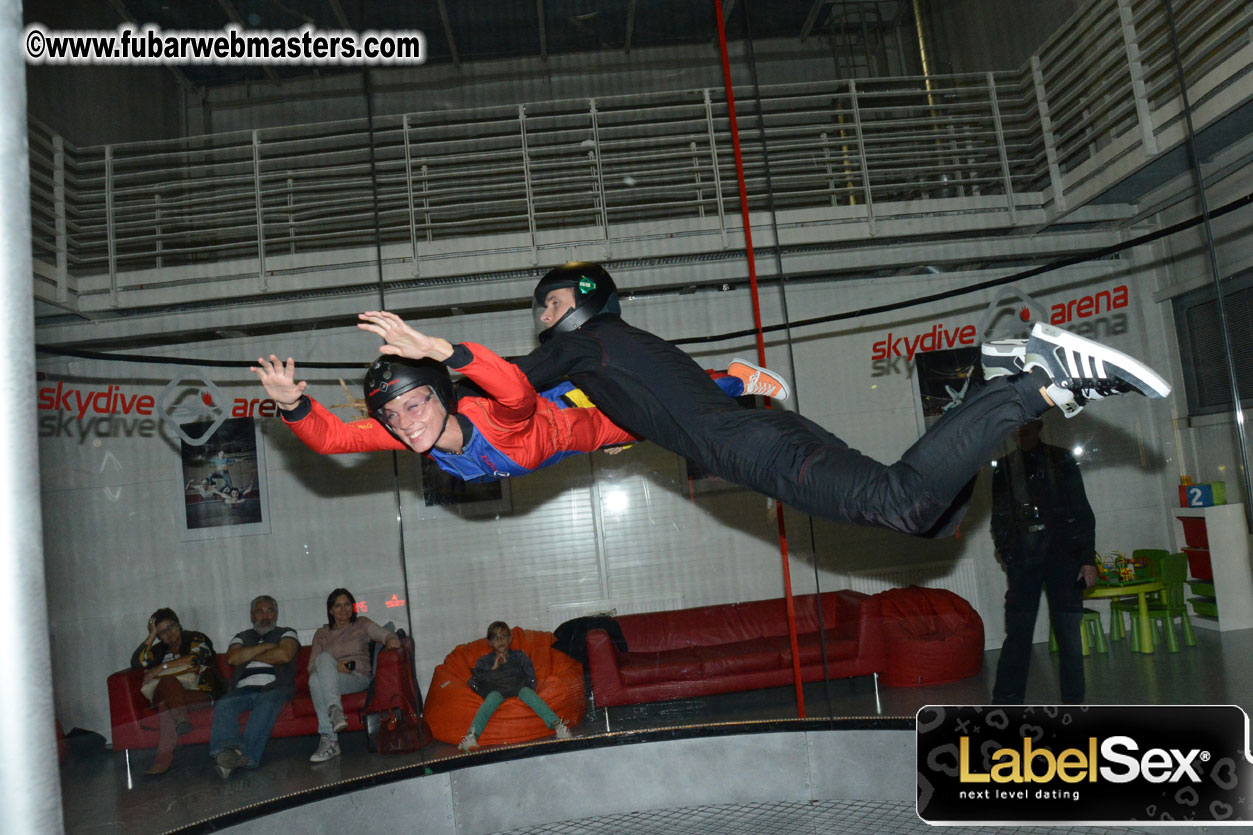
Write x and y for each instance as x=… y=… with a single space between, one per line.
x=1002 y=357
x=1086 y=359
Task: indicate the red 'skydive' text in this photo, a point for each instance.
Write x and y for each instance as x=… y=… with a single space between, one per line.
x=936 y=339
x=113 y=400
x=1086 y=306
x=109 y=401
x=257 y=406
x=940 y=337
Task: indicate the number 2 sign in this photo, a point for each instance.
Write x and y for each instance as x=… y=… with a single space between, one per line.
x=1202 y=495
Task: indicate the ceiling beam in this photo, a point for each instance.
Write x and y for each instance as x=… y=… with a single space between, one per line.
x=229 y=8
x=811 y=19
x=543 y=30
x=340 y=17
x=179 y=75
x=630 y=27
x=452 y=44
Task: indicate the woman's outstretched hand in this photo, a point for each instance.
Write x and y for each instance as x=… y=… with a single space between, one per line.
x=279 y=381
x=402 y=340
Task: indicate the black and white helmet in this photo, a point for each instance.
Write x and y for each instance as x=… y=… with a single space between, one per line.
x=594 y=294
x=388 y=377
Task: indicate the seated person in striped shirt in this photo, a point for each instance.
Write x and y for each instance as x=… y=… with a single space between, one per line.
x=264 y=679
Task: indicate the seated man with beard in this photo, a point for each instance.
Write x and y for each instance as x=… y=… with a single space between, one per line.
x=264 y=679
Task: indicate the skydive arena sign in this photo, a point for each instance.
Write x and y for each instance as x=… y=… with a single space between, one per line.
x=1084 y=765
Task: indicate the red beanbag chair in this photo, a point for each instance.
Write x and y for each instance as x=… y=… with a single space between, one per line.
x=931 y=636
x=451 y=704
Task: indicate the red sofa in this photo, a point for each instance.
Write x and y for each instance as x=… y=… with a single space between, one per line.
x=735 y=646
x=135 y=722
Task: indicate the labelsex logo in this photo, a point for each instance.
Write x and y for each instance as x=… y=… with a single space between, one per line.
x=1040 y=765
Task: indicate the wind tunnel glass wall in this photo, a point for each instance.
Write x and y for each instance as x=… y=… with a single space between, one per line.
x=965 y=178
x=891 y=165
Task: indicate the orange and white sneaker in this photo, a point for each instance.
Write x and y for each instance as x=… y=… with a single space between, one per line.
x=758 y=380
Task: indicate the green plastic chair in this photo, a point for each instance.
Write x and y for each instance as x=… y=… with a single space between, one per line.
x=1090 y=632
x=1131 y=605
x=1174 y=570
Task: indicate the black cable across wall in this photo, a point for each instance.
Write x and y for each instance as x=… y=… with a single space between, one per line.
x=1091 y=255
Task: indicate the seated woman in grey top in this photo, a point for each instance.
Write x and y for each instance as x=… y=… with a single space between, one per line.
x=339 y=662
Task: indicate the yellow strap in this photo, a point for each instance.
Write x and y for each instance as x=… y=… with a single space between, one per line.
x=576 y=397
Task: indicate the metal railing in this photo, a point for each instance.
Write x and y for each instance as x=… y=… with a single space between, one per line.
x=588 y=169
x=1109 y=73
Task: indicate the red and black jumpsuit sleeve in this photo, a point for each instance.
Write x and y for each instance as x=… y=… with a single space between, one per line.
x=520 y=424
x=513 y=420
x=326 y=434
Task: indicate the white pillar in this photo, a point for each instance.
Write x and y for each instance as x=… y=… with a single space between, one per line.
x=28 y=753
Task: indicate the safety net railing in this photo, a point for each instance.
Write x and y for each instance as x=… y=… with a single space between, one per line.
x=1110 y=73
x=596 y=169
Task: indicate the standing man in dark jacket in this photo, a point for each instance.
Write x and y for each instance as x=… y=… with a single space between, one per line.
x=1045 y=534
x=264 y=679
x=654 y=390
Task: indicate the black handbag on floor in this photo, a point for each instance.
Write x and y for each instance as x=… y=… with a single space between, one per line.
x=399 y=729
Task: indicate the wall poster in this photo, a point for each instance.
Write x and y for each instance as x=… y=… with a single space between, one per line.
x=223 y=482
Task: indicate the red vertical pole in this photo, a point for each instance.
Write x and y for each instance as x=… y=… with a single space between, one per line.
x=761 y=344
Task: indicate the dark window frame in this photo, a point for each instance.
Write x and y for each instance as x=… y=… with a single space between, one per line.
x=1196 y=320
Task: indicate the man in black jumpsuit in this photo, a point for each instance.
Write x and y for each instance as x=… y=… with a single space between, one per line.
x=1045 y=534
x=653 y=389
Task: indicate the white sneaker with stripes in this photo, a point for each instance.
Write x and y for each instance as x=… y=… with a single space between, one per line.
x=1081 y=369
x=328 y=749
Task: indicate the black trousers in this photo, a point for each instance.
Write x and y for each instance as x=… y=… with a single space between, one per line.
x=1022 y=602
x=656 y=391
x=925 y=493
